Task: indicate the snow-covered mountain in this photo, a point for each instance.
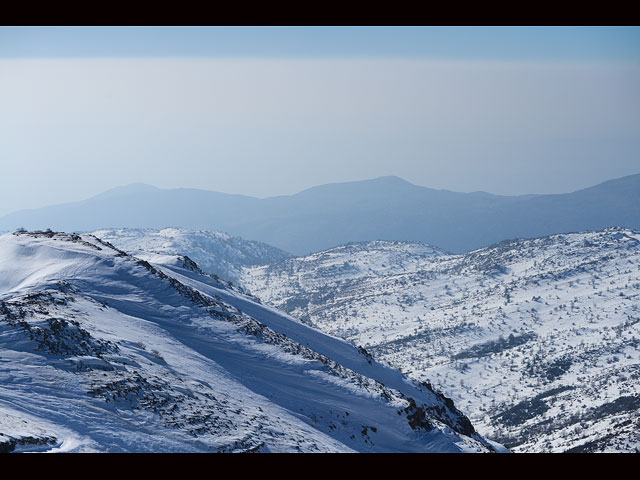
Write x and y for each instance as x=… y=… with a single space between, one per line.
x=217 y=253
x=103 y=351
x=537 y=340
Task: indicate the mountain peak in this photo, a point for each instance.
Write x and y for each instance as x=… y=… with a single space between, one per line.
x=390 y=179
x=131 y=188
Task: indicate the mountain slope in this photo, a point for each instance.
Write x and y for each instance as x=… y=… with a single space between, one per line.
x=386 y=208
x=538 y=340
x=102 y=351
x=218 y=253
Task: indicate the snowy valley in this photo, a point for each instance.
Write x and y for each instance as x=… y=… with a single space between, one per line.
x=538 y=341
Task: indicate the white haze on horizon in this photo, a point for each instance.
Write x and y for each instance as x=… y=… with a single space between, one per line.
x=72 y=128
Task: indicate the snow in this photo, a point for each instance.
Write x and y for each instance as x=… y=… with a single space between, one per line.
x=536 y=340
x=569 y=301
x=102 y=351
x=217 y=253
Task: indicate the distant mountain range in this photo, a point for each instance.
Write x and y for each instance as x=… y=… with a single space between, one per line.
x=386 y=208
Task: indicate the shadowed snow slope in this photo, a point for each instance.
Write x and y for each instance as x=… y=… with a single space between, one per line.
x=102 y=351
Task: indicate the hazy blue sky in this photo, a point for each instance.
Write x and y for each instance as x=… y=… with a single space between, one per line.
x=267 y=111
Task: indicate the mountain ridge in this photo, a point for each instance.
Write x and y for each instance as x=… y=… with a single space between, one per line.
x=109 y=352
x=217 y=253
x=324 y=216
